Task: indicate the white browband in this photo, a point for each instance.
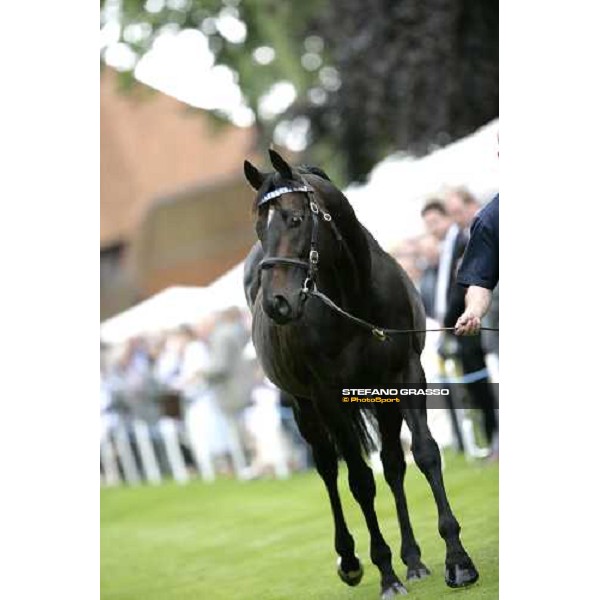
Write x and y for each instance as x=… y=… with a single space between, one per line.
x=284 y=190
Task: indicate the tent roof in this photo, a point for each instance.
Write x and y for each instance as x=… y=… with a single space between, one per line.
x=389 y=204
x=175 y=306
x=166 y=310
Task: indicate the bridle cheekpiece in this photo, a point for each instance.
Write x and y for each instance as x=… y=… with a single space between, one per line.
x=311 y=265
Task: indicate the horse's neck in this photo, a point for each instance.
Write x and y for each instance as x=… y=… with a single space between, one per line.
x=352 y=277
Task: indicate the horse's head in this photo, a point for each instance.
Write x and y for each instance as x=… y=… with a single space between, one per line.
x=286 y=227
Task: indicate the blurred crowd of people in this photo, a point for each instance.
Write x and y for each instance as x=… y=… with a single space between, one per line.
x=191 y=402
x=194 y=401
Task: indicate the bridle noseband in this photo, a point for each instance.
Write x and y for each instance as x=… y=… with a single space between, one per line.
x=311 y=265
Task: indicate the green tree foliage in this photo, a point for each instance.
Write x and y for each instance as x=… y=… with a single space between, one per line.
x=371 y=76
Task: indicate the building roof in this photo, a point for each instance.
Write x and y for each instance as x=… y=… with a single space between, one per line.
x=152 y=144
x=193 y=236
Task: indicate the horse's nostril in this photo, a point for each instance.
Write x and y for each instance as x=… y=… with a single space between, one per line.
x=282 y=306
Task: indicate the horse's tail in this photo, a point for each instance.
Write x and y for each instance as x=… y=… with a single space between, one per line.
x=362 y=425
x=366 y=430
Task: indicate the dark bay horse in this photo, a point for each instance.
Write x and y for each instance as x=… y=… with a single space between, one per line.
x=310 y=238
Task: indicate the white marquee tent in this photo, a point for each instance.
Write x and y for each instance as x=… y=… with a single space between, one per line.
x=389 y=204
x=166 y=310
x=228 y=290
x=175 y=306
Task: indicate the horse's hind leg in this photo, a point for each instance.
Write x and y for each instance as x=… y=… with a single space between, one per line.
x=394 y=468
x=350 y=569
x=460 y=570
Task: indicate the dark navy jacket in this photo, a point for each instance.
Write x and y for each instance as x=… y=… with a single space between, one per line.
x=480 y=264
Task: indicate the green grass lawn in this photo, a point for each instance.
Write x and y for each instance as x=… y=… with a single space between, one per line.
x=269 y=540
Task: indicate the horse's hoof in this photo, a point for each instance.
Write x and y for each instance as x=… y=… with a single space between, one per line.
x=419 y=571
x=353 y=576
x=461 y=575
x=395 y=589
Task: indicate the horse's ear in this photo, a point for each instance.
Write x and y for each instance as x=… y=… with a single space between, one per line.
x=280 y=165
x=253 y=175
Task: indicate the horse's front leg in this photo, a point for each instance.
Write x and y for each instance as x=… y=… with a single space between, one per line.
x=350 y=569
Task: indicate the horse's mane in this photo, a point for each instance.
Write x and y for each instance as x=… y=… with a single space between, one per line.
x=314 y=171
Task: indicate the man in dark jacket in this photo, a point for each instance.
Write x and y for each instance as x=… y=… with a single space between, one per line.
x=450 y=248
x=479 y=271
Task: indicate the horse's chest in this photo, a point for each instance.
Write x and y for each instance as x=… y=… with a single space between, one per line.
x=297 y=363
x=283 y=355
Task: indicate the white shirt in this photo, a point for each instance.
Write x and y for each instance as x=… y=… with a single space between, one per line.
x=444 y=272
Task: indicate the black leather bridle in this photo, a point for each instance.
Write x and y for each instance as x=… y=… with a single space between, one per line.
x=311 y=265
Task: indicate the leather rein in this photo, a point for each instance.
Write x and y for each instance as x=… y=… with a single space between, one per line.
x=311 y=265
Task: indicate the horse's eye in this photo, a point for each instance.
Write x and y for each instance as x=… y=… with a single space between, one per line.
x=295 y=221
